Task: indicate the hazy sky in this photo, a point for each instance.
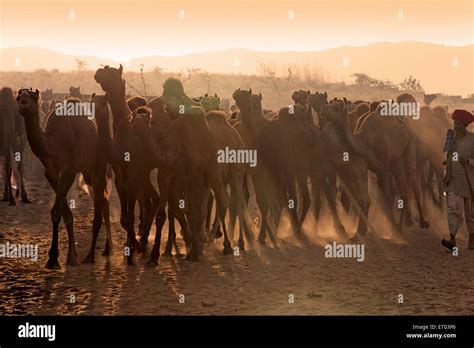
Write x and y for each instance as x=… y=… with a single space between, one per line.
x=126 y=29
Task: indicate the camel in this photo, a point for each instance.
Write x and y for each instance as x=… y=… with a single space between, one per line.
x=13 y=142
x=428 y=99
x=323 y=177
x=210 y=103
x=250 y=125
x=160 y=121
x=47 y=94
x=389 y=148
x=337 y=139
x=428 y=131
x=285 y=148
x=317 y=101
x=75 y=92
x=188 y=152
x=125 y=154
x=67 y=146
x=225 y=136
x=360 y=110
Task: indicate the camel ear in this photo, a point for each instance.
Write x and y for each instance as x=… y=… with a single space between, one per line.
x=92 y=96
x=309 y=91
x=120 y=69
x=325 y=94
x=260 y=95
x=205 y=95
x=250 y=90
x=37 y=94
x=215 y=95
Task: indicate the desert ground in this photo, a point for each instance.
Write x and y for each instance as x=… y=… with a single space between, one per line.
x=296 y=279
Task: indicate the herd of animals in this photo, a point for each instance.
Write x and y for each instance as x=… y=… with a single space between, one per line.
x=308 y=152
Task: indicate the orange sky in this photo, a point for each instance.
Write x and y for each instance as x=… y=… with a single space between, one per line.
x=126 y=29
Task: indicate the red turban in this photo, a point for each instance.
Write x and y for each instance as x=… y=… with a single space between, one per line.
x=463 y=116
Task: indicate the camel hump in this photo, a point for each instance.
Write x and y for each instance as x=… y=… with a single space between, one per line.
x=7 y=96
x=216 y=116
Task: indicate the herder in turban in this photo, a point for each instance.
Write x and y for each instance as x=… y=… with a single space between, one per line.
x=459 y=179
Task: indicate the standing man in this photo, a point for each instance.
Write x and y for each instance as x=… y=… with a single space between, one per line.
x=459 y=179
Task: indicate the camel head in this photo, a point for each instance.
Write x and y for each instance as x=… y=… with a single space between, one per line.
x=109 y=78
x=301 y=96
x=210 y=103
x=362 y=109
x=101 y=104
x=428 y=98
x=173 y=87
x=75 y=91
x=135 y=102
x=374 y=105
x=28 y=101
x=141 y=121
x=257 y=102
x=243 y=99
x=335 y=113
x=406 y=98
x=318 y=100
x=47 y=94
x=6 y=96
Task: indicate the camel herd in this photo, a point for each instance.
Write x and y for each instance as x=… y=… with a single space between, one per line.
x=307 y=153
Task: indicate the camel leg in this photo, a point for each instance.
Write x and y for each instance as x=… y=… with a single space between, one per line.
x=65 y=182
x=329 y=187
x=401 y=183
x=144 y=206
x=306 y=201
x=416 y=192
x=238 y=198
x=21 y=171
x=164 y=181
x=222 y=205
x=108 y=250
x=171 y=232
x=210 y=203
x=152 y=201
x=68 y=221
x=232 y=215
x=316 y=181
x=180 y=216
x=99 y=201
x=132 y=242
x=172 y=206
x=196 y=195
x=7 y=193
x=345 y=201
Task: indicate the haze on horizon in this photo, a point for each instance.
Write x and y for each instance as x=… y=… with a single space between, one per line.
x=125 y=29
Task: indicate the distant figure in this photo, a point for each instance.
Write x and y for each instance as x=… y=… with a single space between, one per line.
x=459 y=179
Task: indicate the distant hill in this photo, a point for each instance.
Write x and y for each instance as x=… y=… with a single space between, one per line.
x=434 y=65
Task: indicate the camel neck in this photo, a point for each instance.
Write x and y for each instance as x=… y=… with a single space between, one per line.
x=105 y=140
x=119 y=107
x=36 y=137
x=247 y=120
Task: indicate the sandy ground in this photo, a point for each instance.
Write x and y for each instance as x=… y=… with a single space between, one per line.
x=262 y=280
